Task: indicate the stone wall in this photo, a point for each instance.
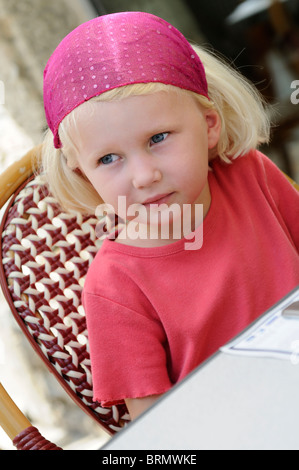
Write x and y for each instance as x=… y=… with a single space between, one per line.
x=29 y=31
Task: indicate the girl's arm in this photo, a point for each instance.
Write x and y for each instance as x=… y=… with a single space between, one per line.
x=136 y=406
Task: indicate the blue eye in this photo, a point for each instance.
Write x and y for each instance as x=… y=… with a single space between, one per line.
x=107 y=159
x=159 y=137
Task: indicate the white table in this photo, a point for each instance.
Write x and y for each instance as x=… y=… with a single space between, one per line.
x=230 y=402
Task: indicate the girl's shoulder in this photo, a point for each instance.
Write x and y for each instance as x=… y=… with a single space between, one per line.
x=253 y=165
x=254 y=159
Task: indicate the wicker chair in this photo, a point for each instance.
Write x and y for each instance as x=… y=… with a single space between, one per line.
x=45 y=254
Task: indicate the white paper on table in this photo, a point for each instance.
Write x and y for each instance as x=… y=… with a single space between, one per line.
x=275 y=335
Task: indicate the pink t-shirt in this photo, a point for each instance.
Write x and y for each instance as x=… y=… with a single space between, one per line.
x=154 y=314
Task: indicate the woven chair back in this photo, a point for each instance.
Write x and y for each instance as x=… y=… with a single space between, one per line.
x=45 y=256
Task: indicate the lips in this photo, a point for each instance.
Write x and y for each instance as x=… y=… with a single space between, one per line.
x=158 y=199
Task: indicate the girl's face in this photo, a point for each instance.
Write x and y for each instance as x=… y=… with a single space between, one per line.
x=152 y=149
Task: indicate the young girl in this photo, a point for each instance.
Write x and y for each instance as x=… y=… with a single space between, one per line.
x=139 y=114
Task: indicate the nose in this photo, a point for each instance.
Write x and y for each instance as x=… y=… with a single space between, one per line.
x=145 y=172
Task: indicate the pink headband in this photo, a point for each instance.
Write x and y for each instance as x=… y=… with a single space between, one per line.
x=112 y=51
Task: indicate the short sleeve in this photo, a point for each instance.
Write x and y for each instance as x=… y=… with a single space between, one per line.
x=127 y=350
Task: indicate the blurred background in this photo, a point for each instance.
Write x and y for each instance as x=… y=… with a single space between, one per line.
x=259 y=37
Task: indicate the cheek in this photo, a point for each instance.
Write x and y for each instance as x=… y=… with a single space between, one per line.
x=193 y=175
x=107 y=190
x=106 y=193
x=99 y=184
x=192 y=163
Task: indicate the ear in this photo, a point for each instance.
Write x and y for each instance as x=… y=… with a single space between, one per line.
x=71 y=163
x=213 y=126
x=71 y=160
x=78 y=172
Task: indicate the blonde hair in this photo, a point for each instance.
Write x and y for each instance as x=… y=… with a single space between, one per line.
x=244 y=126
